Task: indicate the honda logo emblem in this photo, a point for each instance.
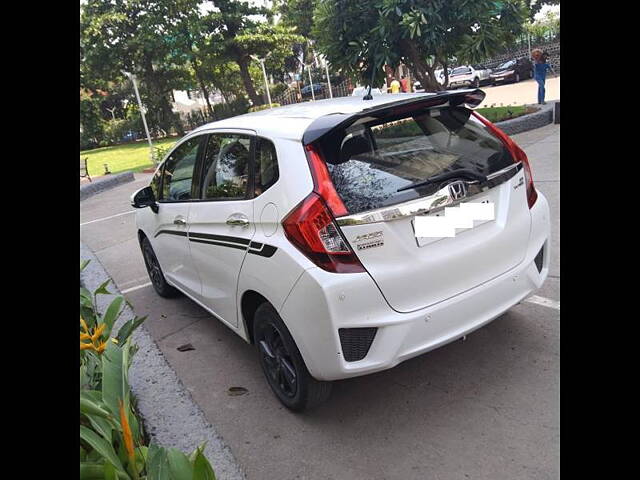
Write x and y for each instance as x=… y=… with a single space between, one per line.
x=457 y=190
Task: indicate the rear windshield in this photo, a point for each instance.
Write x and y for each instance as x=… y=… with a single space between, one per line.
x=509 y=64
x=369 y=161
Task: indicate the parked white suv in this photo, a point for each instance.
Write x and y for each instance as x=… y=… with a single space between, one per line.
x=469 y=76
x=297 y=228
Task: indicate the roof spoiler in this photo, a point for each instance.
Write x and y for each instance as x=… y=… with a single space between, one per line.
x=332 y=122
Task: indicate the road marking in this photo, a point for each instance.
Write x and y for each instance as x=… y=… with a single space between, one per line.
x=133 y=289
x=545 y=302
x=107 y=218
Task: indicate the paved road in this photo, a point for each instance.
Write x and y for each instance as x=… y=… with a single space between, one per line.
x=522 y=93
x=486 y=408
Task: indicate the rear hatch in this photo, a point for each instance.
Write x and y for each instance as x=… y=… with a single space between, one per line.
x=377 y=160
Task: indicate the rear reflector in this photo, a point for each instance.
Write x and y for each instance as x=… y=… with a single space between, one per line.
x=539 y=259
x=355 y=342
x=518 y=156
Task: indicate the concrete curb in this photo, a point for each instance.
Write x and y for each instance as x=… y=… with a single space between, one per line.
x=542 y=117
x=104 y=183
x=170 y=415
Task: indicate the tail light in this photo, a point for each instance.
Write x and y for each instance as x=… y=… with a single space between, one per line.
x=518 y=156
x=311 y=225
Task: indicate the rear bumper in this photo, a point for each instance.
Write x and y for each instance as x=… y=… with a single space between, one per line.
x=321 y=303
x=507 y=78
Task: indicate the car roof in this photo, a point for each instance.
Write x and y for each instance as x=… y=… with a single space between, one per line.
x=291 y=121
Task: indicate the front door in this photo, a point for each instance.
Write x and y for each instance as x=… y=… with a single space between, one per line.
x=169 y=240
x=221 y=223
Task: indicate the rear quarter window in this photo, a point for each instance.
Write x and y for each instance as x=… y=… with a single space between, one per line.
x=370 y=161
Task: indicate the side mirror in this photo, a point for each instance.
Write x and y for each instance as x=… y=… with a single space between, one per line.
x=144 y=198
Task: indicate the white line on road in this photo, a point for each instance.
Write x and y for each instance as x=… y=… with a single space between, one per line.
x=133 y=289
x=545 y=302
x=107 y=218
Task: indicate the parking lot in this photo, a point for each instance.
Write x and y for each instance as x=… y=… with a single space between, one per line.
x=484 y=408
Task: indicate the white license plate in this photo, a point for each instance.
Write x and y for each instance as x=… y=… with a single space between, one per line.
x=451 y=221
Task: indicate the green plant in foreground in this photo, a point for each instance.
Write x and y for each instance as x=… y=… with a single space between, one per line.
x=112 y=446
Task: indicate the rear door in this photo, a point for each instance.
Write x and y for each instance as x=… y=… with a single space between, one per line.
x=221 y=222
x=377 y=162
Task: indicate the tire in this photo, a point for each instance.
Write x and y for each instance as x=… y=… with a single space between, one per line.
x=476 y=82
x=282 y=364
x=154 y=271
x=517 y=77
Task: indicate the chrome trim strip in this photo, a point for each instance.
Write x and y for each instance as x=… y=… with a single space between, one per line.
x=430 y=204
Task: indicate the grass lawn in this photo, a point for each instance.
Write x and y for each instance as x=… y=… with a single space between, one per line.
x=120 y=158
x=497 y=114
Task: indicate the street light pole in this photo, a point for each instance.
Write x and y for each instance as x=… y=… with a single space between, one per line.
x=311 y=83
x=326 y=68
x=264 y=73
x=132 y=77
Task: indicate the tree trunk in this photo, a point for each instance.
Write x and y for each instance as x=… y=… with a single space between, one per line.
x=205 y=92
x=423 y=71
x=159 y=93
x=445 y=70
x=243 y=62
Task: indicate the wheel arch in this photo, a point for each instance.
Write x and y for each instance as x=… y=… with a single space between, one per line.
x=249 y=303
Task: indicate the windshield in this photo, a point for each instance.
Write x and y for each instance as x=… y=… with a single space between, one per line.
x=459 y=70
x=368 y=162
x=506 y=65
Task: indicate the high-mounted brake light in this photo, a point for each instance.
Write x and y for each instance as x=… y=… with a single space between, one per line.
x=518 y=156
x=311 y=225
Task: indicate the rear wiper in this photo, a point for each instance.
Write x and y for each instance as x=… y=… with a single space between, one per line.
x=463 y=172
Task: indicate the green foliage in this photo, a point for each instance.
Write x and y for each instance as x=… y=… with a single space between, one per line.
x=160 y=151
x=111 y=442
x=544 y=28
x=498 y=114
x=236 y=107
x=297 y=13
x=264 y=107
x=362 y=35
x=226 y=190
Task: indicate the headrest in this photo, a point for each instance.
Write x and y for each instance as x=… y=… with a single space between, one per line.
x=353 y=146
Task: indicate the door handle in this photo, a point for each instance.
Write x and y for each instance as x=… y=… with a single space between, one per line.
x=179 y=221
x=238 y=219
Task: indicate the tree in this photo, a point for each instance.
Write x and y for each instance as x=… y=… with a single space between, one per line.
x=138 y=36
x=360 y=36
x=535 y=6
x=242 y=35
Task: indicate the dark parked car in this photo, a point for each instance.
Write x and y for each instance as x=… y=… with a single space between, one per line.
x=512 y=71
x=318 y=89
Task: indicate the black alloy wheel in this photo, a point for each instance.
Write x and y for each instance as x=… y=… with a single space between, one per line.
x=282 y=364
x=276 y=361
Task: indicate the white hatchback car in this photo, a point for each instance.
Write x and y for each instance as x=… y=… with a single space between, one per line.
x=297 y=228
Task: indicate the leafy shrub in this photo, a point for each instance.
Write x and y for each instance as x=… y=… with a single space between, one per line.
x=225 y=110
x=159 y=152
x=263 y=107
x=112 y=444
x=278 y=89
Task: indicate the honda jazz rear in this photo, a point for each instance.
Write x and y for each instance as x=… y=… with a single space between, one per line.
x=345 y=236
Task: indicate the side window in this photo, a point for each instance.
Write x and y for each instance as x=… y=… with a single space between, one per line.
x=226 y=166
x=177 y=178
x=266 y=165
